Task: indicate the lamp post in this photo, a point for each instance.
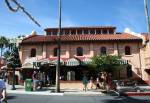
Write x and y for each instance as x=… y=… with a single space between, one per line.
x=147 y=19
x=58 y=52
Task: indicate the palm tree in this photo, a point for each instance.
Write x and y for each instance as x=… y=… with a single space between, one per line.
x=3 y=44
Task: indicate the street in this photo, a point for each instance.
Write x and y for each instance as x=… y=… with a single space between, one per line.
x=22 y=98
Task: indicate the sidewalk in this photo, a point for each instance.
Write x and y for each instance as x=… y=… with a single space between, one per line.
x=50 y=91
x=76 y=92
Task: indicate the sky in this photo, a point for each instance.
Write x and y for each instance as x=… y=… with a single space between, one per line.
x=119 y=13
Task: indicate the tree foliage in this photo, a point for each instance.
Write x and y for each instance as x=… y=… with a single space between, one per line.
x=107 y=63
x=13 y=59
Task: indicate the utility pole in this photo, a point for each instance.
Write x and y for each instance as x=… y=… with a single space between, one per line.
x=147 y=19
x=58 y=51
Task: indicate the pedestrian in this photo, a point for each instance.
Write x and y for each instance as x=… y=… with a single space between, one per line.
x=48 y=80
x=44 y=78
x=97 y=83
x=85 y=82
x=91 y=83
x=2 y=90
x=35 y=80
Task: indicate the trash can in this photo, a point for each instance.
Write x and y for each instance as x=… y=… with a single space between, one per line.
x=28 y=85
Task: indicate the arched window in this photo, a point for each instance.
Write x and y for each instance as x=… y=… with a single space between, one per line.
x=103 y=50
x=127 y=50
x=79 y=51
x=55 y=52
x=33 y=52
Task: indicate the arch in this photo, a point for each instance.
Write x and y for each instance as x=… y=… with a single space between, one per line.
x=127 y=50
x=103 y=50
x=33 y=52
x=79 y=51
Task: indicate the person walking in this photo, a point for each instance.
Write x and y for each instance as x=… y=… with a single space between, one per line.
x=2 y=90
x=35 y=80
x=85 y=82
x=97 y=83
x=91 y=83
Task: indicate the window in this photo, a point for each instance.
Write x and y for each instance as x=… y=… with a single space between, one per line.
x=86 y=32
x=111 y=31
x=54 y=32
x=79 y=31
x=79 y=51
x=98 y=31
x=129 y=71
x=55 y=52
x=103 y=50
x=33 y=52
x=49 y=33
x=92 y=31
x=127 y=50
x=73 y=32
x=105 y=31
x=66 y=32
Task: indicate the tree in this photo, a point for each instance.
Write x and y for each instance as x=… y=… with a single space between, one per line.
x=13 y=61
x=3 y=43
x=107 y=63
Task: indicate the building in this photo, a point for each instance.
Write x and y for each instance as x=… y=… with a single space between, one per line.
x=79 y=45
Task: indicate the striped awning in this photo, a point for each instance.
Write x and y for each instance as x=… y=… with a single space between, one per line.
x=55 y=62
x=72 y=62
x=27 y=66
x=44 y=61
x=30 y=60
x=28 y=63
x=122 y=61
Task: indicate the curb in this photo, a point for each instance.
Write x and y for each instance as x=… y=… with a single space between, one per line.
x=135 y=94
x=83 y=94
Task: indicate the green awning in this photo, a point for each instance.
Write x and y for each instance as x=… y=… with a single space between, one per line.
x=86 y=61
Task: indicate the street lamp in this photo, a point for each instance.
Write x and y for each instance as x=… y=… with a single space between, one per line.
x=58 y=51
x=147 y=19
x=20 y=7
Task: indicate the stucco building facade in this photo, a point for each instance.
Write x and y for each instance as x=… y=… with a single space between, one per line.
x=80 y=44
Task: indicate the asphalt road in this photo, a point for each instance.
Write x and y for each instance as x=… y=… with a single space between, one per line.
x=21 y=98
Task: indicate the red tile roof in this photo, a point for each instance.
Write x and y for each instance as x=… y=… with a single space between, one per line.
x=65 y=38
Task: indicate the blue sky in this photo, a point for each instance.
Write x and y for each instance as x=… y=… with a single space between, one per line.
x=120 y=13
